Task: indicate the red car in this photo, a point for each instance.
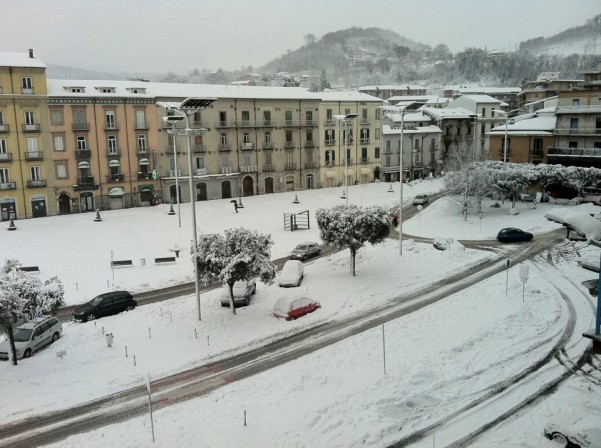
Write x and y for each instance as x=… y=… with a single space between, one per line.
x=292 y=308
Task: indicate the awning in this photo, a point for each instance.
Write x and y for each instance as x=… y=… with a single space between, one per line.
x=365 y=171
x=331 y=173
x=114 y=163
x=83 y=165
x=145 y=188
x=144 y=162
x=116 y=192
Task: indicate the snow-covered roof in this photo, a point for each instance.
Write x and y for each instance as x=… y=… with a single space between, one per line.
x=478 y=99
x=394 y=87
x=348 y=95
x=449 y=113
x=409 y=117
x=579 y=219
x=431 y=129
x=539 y=123
x=479 y=90
x=13 y=59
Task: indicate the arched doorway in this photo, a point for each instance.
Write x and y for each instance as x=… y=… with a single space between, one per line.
x=290 y=182
x=226 y=189
x=309 y=181
x=377 y=172
x=173 y=194
x=201 y=191
x=268 y=185
x=248 y=186
x=64 y=204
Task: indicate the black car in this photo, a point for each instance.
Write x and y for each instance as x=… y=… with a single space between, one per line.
x=106 y=304
x=305 y=250
x=512 y=235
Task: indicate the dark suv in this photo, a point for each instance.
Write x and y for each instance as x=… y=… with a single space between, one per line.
x=106 y=304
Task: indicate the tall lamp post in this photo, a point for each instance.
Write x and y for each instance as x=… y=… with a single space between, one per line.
x=502 y=112
x=345 y=119
x=173 y=120
x=409 y=108
x=187 y=108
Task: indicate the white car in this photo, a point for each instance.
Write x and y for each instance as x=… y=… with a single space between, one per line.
x=32 y=336
x=292 y=273
x=440 y=243
x=575 y=430
x=242 y=290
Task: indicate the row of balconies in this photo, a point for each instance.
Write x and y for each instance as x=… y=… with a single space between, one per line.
x=85 y=126
x=578 y=131
x=29 y=156
x=112 y=152
x=33 y=183
x=574 y=153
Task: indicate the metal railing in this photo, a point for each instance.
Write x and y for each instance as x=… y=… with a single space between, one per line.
x=4 y=128
x=37 y=183
x=34 y=127
x=247 y=146
x=6 y=157
x=33 y=155
x=80 y=126
x=8 y=185
x=269 y=168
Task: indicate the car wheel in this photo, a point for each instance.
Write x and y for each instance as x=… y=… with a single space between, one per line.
x=560 y=438
x=90 y=317
x=27 y=353
x=255 y=289
x=129 y=308
x=54 y=337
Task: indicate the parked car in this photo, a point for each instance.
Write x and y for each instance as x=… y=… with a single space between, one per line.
x=305 y=250
x=292 y=308
x=512 y=235
x=106 y=304
x=32 y=336
x=440 y=243
x=292 y=273
x=420 y=199
x=242 y=290
x=575 y=430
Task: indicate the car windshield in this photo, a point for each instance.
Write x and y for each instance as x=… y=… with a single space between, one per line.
x=95 y=301
x=22 y=334
x=301 y=247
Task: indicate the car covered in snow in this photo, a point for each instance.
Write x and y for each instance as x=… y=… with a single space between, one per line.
x=575 y=430
x=242 y=291
x=292 y=273
x=292 y=308
x=305 y=250
x=440 y=243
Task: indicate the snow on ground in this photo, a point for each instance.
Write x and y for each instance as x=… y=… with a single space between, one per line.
x=437 y=359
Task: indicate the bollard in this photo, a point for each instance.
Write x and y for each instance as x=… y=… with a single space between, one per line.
x=109 y=339
x=195 y=333
x=170 y=317
x=134 y=360
x=149 y=334
x=126 y=351
x=102 y=330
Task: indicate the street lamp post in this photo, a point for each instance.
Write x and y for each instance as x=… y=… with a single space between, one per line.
x=345 y=118
x=186 y=108
x=173 y=120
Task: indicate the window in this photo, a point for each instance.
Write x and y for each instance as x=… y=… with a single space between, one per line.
x=200 y=163
x=225 y=161
x=59 y=142
x=267 y=117
x=32 y=144
x=267 y=137
x=76 y=90
x=109 y=119
x=572 y=144
x=29 y=117
x=56 y=117
x=575 y=102
x=378 y=133
x=247 y=160
x=309 y=117
x=81 y=143
x=245 y=118
x=289 y=158
x=268 y=158
x=112 y=144
x=364 y=155
x=365 y=135
x=222 y=118
x=35 y=173
x=329 y=117
x=388 y=146
x=378 y=112
x=330 y=136
x=309 y=156
x=309 y=135
x=330 y=157
x=3 y=146
x=1 y=118
x=432 y=144
x=364 y=115
x=483 y=112
x=141 y=119
x=61 y=170
x=377 y=153
x=26 y=84
x=573 y=123
x=107 y=90
x=79 y=117
x=4 y=175
x=288 y=136
x=141 y=143
x=246 y=137
x=537 y=147
x=288 y=117
x=598 y=123
x=347 y=111
x=223 y=139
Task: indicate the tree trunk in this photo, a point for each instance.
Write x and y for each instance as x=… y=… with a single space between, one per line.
x=232 y=304
x=353 y=255
x=11 y=340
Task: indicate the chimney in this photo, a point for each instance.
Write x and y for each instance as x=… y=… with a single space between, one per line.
x=31 y=53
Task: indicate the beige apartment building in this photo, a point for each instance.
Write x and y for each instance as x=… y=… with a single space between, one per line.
x=25 y=176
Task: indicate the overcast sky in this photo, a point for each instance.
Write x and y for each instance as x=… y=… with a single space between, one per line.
x=158 y=36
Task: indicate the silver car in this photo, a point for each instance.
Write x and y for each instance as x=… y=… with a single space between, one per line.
x=32 y=336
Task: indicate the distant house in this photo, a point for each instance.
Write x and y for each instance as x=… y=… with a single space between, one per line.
x=386 y=92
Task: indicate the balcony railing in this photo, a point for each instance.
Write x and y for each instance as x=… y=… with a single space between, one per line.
x=537 y=153
x=6 y=157
x=364 y=141
x=574 y=153
x=36 y=183
x=311 y=164
x=113 y=152
x=144 y=176
x=290 y=166
x=309 y=144
x=33 y=155
x=115 y=178
x=224 y=147
x=288 y=123
x=201 y=172
x=111 y=127
x=8 y=185
x=199 y=148
x=196 y=123
x=364 y=160
x=225 y=124
x=34 y=127
x=289 y=145
x=175 y=173
x=247 y=123
x=141 y=126
x=269 y=168
x=310 y=123
x=80 y=126
x=330 y=121
x=248 y=169
x=594 y=109
x=83 y=153
x=267 y=145
x=578 y=131
x=330 y=141
x=348 y=162
x=330 y=163
x=4 y=128
x=364 y=121
x=170 y=149
x=226 y=170
x=85 y=180
x=247 y=146
x=267 y=123
x=25 y=91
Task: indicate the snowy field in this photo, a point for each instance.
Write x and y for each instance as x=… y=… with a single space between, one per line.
x=437 y=359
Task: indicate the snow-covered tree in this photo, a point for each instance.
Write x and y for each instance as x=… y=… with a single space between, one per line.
x=512 y=178
x=24 y=296
x=352 y=227
x=239 y=254
x=577 y=177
